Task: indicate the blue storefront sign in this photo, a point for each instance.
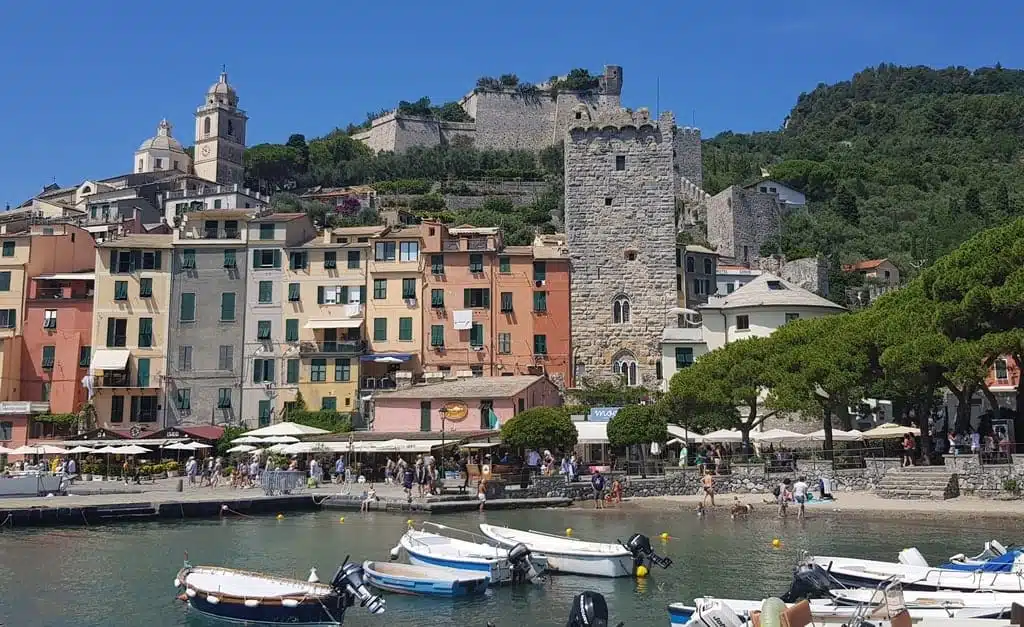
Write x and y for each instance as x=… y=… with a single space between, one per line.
x=602 y=414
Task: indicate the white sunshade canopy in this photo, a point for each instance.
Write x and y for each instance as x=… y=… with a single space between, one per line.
x=241 y=448
x=132 y=449
x=80 y=449
x=683 y=434
x=108 y=450
x=280 y=439
x=4 y=450
x=889 y=430
x=334 y=324
x=39 y=449
x=286 y=428
x=248 y=439
x=109 y=359
x=838 y=435
x=179 y=446
x=476 y=445
x=195 y=446
x=724 y=435
x=591 y=432
x=777 y=436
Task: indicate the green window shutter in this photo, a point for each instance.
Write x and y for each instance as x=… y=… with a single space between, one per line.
x=342 y=369
x=5 y=281
x=111 y=331
x=540 y=301
x=264 y=417
x=506 y=302
x=476 y=263
x=227 y=306
x=504 y=265
x=113 y=259
x=294 y=292
x=540 y=345
x=344 y=295
x=487 y=297
x=330 y=260
x=437 y=335
x=120 y=290
x=188 y=307
x=263 y=330
x=157 y=260
x=476 y=335
x=145 y=332
x=49 y=353
x=293 y=371
x=291 y=330
x=329 y=403
x=229 y=258
x=257 y=370
x=380 y=329
x=437 y=264
x=437 y=298
x=319 y=294
x=142 y=364
x=540 y=271
x=466 y=299
x=405 y=329
x=362 y=293
x=266 y=293
x=256 y=258
x=270 y=369
x=145 y=287
x=277 y=258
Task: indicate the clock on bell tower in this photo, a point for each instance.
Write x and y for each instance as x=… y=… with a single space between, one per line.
x=220 y=135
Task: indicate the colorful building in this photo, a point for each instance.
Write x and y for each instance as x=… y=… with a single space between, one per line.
x=131 y=307
x=323 y=318
x=549 y=273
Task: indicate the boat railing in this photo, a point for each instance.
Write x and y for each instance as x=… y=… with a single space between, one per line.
x=888 y=595
x=476 y=536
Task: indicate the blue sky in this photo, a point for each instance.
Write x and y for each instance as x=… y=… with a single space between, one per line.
x=85 y=83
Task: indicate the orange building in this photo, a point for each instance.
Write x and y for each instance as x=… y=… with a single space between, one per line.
x=1003 y=375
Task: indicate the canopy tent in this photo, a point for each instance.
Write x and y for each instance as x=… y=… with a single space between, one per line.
x=409 y=446
x=591 y=432
x=838 y=435
x=724 y=436
x=683 y=434
x=286 y=428
x=777 y=436
x=241 y=448
x=889 y=430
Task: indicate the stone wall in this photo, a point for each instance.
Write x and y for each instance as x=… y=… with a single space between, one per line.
x=620 y=229
x=688 y=155
x=810 y=273
x=986 y=480
x=740 y=221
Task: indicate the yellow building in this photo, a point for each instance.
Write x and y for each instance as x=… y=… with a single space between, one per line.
x=130 y=324
x=394 y=319
x=14 y=259
x=324 y=307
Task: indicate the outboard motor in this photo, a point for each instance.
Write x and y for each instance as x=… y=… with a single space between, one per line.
x=640 y=546
x=589 y=609
x=810 y=581
x=349 y=583
x=519 y=560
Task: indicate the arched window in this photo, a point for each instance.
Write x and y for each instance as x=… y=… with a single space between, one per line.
x=206 y=125
x=689 y=264
x=620 y=310
x=140 y=165
x=708 y=266
x=625 y=367
x=231 y=128
x=86 y=189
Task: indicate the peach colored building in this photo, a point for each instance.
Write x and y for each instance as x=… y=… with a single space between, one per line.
x=419 y=407
x=551 y=272
x=1003 y=375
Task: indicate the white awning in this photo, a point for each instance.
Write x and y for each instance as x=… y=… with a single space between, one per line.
x=109 y=359
x=591 y=432
x=67 y=276
x=334 y=324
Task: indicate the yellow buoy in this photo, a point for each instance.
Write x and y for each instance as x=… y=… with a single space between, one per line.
x=776 y=543
x=342 y=519
x=280 y=516
x=664 y=535
x=568 y=531
x=641 y=571
x=409 y=522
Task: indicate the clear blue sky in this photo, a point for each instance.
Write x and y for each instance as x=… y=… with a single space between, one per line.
x=85 y=83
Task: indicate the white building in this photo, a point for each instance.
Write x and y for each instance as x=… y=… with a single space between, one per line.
x=730 y=278
x=786 y=194
x=203 y=197
x=162 y=153
x=756 y=309
x=220 y=135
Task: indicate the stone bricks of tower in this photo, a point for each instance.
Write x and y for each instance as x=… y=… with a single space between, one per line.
x=740 y=221
x=620 y=229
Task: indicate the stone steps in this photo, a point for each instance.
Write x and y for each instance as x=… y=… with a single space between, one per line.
x=922 y=482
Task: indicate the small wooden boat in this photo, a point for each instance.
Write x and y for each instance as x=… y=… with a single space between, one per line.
x=501 y=565
x=250 y=597
x=424 y=580
x=578 y=557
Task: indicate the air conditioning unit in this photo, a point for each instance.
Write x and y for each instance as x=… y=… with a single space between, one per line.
x=539 y=283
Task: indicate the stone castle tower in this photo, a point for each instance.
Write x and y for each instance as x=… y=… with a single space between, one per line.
x=220 y=135
x=620 y=227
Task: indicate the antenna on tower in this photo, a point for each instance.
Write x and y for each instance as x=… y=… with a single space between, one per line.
x=693 y=118
x=657 y=97
x=223 y=67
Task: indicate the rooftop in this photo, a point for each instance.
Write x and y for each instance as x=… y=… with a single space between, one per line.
x=472 y=387
x=280 y=217
x=469 y=229
x=517 y=250
x=223 y=214
x=768 y=290
x=693 y=248
x=138 y=241
x=360 y=230
x=869 y=264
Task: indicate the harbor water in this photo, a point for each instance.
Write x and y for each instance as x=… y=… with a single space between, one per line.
x=121 y=575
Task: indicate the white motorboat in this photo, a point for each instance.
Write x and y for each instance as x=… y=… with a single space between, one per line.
x=860 y=573
x=578 y=557
x=501 y=565
x=988 y=604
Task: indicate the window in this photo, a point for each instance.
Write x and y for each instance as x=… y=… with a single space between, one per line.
x=505 y=343
x=477 y=297
x=329 y=403
x=540 y=271
x=158 y=163
x=297 y=260
x=620 y=162
x=437 y=299
x=698 y=287
x=145 y=287
x=477 y=370
x=188 y=307
x=384 y=251
x=679 y=258
x=620 y=310
x=1002 y=373
x=292 y=371
x=505 y=265
x=540 y=345
x=5 y=281
x=291 y=330
x=229 y=258
x=185 y=400
x=330 y=260
x=380 y=329
x=764 y=189
x=476 y=263
x=424 y=415
x=746 y=254
x=625 y=367
x=117 y=329
x=409 y=251
x=50 y=319
x=730 y=288
x=293 y=293
x=151 y=260
x=120 y=290
x=742 y=323
x=775 y=285
x=887 y=274
x=48 y=356
x=266 y=295
x=405 y=329
x=8 y=318
x=226 y=357
x=185 y=358
x=8 y=250
x=227 y=307
x=142 y=372
x=217 y=202
x=540 y=302
x=506 y=302
x=145 y=332
x=45 y=394
x=342 y=369
x=409 y=289
x=223 y=398
x=684 y=357
x=263 y=330
x=318 y=370
x=231 y=228
x=84 y=356
x=266 y=258
x=380 y=289
x=790 y=317
x=263 y=371
x=117 y=408
x=709 y=267
x=267 y=230
x=476 y=334
x=188 y=258
x=264 y=413
x=353 y=259
x=437 y=264
x=437 y=335
x=690 y=264
x=331 y=295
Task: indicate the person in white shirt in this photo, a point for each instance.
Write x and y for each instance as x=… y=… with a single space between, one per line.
x=800 y=494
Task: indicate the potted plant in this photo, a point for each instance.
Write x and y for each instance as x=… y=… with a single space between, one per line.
x=173 y=469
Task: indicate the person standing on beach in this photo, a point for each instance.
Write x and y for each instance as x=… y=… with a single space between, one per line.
x=709 y=489
x=597 y=482
x=784 y=497
x=800 y=495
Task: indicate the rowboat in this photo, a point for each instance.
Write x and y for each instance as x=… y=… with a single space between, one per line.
x=424 y=580
x=578 y=557
x=501 y=565
x=251 y=597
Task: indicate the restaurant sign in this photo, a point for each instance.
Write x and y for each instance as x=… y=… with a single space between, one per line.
x=455 y=411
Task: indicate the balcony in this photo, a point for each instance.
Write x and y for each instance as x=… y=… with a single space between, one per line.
x=478 y=243
x=212 y=234
x=341 y=347
x=377 y=383
x=115 y=379
x=62 y=293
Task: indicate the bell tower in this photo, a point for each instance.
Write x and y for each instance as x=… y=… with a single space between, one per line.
x=220 y=135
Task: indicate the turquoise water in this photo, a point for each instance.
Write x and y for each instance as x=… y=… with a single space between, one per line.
x=121 y=575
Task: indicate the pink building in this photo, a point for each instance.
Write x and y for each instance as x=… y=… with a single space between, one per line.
x=466 y=403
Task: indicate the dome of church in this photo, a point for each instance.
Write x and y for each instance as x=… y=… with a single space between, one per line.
x=222 y=91
x=162 y=140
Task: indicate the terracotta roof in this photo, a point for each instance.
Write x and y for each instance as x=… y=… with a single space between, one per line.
x=693 y=248
x=138 y=241
x=869 y=264
x=517 y=250
x=472 y=387
x=360 y=230
x=768 y=290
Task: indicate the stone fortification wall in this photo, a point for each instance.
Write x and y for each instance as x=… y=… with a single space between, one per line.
x=810 y=273
x=620 y=229
x=689 y=162
x=506 y=120
x=740 y=221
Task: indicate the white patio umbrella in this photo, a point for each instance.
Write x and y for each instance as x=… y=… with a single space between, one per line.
x=838 y=435
x=387 y=360
x=777 y=436
x=195 y=446
x=683 y=434
x=248 y=439
x=281 y=439
x=133 y=449
x=81 y=449
x=286 y=428
x=5 y=451
x=889 y=430
x=40 y=449
x=724 y=435
x=241 y=448
x=179 y=446
x=107 y=450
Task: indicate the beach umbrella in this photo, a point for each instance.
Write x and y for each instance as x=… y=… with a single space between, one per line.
x=286 y=428
x=241 y=448
x=281 y=439
x=133 y=449
x=724 y=435
x=777 y=436
x=81 y=449
x=889 y=430
x=248 y=439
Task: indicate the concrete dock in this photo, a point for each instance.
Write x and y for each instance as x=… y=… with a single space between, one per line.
x=445 y=506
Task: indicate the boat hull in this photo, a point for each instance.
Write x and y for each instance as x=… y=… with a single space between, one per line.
x=593 y=567
x=574 y=559
x=828 y=612
x=496 y=573
x=427 y=581
x=856 y=573
x=310 y=613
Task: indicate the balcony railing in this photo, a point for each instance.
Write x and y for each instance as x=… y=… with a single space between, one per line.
x=116 y=379
x=377 y=383
x=213 y=234
x=62 y=293
x=478 y=243
x=451 y=244
x=342 y=347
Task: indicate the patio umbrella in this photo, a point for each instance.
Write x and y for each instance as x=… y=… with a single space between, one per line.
x=889 y=430
x=195 y=446
x=81 y=449
x=777 y=436
x=4 y=450
x=724 y=435
x=179 y=446
x=286 y=428
x=241 y=448
x=41 y=449
x=387 y=360
x=132 y=449
x=838 y=435
x=281 y=439
x=248 y=439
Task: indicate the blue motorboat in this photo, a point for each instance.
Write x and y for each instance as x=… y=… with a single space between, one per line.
x=996 y=558
x=425 y=580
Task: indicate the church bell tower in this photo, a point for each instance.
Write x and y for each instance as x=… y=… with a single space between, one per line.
x=220 y=135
